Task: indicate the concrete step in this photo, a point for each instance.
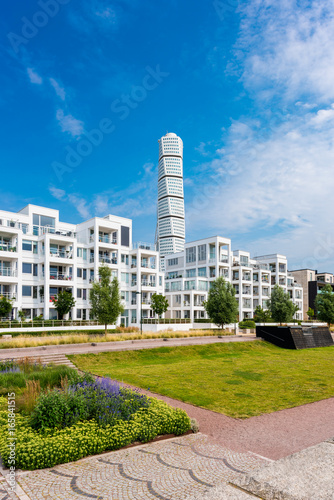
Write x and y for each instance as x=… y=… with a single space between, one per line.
x=306 y=475
x=47 y=359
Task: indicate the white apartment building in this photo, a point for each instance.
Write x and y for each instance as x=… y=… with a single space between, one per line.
x=189 y=273
x=40 y=256
x=170 y=235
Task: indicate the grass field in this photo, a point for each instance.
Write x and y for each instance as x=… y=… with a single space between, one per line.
x=238 y=379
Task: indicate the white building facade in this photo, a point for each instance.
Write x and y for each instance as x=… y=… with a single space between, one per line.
x=189 y=275
x=170 y=236
x=40 y=256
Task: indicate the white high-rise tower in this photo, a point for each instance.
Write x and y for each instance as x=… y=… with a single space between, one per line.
x=170 y=235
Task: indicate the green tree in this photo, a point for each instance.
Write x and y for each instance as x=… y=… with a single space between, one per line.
x=324 y=305
x=261 y=315
x=105 y=299
x=63 y=303
x=21 y=315
x=159 y=304
x=310 y=313
x=6 y=306
x=221 y=306
x=280 y=305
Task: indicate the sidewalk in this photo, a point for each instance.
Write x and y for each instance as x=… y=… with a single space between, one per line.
x=123 y=345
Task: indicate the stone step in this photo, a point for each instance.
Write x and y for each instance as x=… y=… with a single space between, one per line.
x=305 y=475
x=56 y=359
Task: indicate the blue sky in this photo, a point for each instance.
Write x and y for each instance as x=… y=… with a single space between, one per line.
x=248 y=85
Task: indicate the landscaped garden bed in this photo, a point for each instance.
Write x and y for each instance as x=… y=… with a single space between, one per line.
x=62 y=416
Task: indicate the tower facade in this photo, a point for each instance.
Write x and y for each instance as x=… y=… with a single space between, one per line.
x=170 y=236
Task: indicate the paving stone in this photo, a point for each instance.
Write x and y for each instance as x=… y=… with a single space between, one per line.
x=175 y=469
x=224 y=492
x=306 y=475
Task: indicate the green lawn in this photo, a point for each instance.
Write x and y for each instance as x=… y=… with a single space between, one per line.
x=238 y=379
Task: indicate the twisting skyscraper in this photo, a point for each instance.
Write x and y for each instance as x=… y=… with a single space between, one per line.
x=170 y=235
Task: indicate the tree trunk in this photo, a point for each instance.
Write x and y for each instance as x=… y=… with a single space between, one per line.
x=105 y=330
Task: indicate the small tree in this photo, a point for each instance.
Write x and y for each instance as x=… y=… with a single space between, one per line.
x=105 y=299
x=6 y=306
x=63 y=303
x=310 y=313
x=221 y=306
x=280 y=305
x=261 y=315
x=21 y=315
x=159 y=304
x=324 y=305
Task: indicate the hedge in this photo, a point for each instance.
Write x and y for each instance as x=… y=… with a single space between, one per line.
x=39 y=450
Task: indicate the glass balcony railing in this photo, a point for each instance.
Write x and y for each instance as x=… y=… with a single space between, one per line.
x=12 y=273
x=59 y=276
x=107 y=260
x=6 y=247
x=62 y=254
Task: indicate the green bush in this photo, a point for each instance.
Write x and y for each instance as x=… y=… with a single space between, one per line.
x=247 y=323
x=36 y=450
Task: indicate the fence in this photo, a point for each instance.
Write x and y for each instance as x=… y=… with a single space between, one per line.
x=41 y=323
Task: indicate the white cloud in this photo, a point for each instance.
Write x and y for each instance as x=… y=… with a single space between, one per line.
x=286 y=48
x=60 y=91
x=69 y=124
x=80 y=204
x=57 y=193
x=34 y=77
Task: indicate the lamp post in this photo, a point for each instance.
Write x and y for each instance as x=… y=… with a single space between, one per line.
x=141 y=312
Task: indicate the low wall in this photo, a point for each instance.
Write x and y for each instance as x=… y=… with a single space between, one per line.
x=183 y=327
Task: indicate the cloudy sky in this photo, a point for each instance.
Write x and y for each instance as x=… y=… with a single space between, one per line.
x=89 y=86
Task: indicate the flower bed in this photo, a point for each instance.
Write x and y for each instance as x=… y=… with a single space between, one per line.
x=85 y=418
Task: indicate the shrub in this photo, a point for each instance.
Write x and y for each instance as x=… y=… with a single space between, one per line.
x=247 y=323
x=38 y=450
x=102 y=400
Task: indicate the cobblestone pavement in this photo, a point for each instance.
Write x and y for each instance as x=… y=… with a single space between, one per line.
x=168 y=470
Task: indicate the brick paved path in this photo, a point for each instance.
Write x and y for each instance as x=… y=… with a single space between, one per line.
x=167 y=470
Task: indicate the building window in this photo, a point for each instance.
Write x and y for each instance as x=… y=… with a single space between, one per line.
x=26 y=268
x=79 y=293
x=84 y=294
x=190 y=273
x=78 y=313
x=125 y=277
x=201 y=252
x=173 y=262
x=35 y=270
x=202 y=272
x=190 y=254
x=34 y=292
x=79 y=273
x=26 y=291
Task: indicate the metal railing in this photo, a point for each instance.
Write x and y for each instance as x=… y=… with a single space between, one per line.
x=143 y=246
x=5 y=323
x=148 y=283
x=165 y=321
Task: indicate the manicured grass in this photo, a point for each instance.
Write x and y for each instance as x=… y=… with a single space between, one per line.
x=238 y=379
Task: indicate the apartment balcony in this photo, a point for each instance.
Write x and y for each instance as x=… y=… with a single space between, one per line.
x=146 y=302
x=143 y=246
x=107 y=239
x=133 y=302
x=8 y=295
x=8 y=273
x=133 y=266
x=212 y=260
x=4 y=247
x=223 y=259
x=265 y=280
x=108 y=260
x=62 y=277
x=148 y=283
x=67 y=254
x=246 y=278
x=134 y=283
